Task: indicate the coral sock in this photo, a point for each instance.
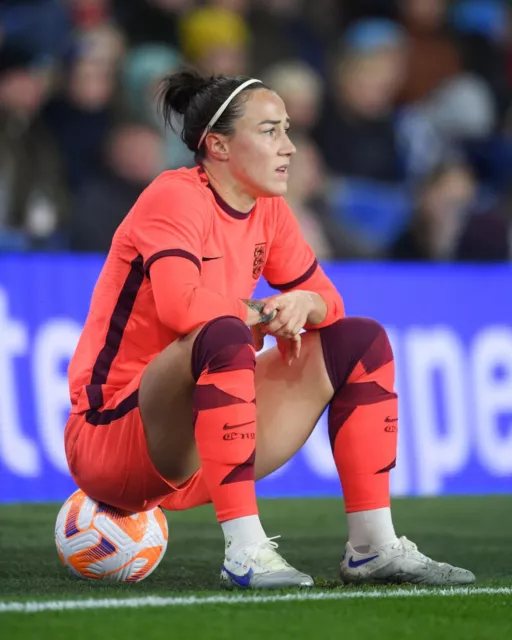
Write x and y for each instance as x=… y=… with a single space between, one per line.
x=225 y=415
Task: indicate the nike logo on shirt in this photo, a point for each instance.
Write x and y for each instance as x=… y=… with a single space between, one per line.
x=235 y=426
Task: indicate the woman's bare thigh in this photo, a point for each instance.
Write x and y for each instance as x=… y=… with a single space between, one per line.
x=289 y=400
x=165 y=401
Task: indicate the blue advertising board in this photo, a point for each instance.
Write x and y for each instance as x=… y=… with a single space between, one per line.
x=451 y=330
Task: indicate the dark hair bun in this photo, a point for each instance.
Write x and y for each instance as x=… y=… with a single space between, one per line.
x=180 y=89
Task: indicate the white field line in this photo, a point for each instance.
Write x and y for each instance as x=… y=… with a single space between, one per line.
x=177 y=601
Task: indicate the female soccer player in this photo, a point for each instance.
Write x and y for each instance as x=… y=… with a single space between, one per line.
x=170 y=405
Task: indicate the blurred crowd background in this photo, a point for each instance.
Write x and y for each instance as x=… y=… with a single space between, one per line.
x=401 y=113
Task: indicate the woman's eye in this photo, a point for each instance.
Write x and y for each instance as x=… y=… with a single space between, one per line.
x=273 y=131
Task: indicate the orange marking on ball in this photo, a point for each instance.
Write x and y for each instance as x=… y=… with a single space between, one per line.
x=71 y=527
x=81 y=560
x=133 y=525
x=152 y=556
x=162 y=522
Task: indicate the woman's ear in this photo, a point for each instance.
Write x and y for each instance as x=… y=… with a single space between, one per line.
x=217 y=146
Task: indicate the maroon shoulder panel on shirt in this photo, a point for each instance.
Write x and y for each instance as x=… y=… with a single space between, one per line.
x=178 y=253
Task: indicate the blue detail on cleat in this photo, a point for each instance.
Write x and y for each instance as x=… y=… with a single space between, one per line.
x=241 y=581
x=353 y=564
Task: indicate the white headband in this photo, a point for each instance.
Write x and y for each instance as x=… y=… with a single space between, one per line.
x=222 y=108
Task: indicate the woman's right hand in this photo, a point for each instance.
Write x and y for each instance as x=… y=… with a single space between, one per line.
x=255 y=313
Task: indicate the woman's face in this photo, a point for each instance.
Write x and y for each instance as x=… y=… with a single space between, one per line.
x=259 y=151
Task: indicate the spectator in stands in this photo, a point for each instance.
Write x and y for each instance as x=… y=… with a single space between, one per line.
x=155 y=21
x=41 y=29
x=461 y=109
x=483 y=30
x=445 y=227
x=81 y=114
x=292 y=29
x=301 y=88
x=133 y=157
x=459 y=116
x=144 y=68
x=306 y=195
x=443 y=206
x=357 y=129
x=89 y=14
x=216 y=41
x=33 y=196
x=432 y=56
x=360 y=139
x=104 y=45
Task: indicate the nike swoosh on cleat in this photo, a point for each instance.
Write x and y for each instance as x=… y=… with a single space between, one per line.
x=214 y=258
x=353 y=564
x=242 y=581
x=235 y=426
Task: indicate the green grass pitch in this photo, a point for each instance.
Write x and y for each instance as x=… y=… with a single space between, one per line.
x=474 y=532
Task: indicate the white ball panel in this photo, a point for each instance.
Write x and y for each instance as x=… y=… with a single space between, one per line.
x=61 y=518
x=86 y=513
x=81 y=542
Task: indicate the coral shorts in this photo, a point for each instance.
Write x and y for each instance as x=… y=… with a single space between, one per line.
x=108 y=458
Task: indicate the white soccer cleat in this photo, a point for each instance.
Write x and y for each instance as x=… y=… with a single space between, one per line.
x=399 y=562
x=259 y=566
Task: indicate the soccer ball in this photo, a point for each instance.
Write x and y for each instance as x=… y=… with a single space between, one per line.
x=99 y=542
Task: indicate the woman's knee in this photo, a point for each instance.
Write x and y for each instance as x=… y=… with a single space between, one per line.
x=354 y=340
x=224 y=343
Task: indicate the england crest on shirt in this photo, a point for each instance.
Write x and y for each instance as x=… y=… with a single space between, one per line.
x=260 y=256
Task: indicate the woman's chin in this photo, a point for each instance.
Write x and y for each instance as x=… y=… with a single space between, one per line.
x=275 y=189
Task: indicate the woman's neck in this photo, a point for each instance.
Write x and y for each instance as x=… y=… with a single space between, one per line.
x=229 y=189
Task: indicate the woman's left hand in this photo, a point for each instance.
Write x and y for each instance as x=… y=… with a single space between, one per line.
x=293 y=309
